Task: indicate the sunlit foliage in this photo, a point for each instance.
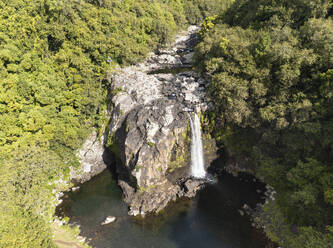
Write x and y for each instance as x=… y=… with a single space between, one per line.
x=270 y=66
x=54 y=56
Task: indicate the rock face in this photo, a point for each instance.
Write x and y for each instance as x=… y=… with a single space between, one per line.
x=91 y=159
x=149 y=128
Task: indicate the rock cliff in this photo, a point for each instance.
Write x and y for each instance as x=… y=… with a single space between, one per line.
x=91 y=157
x=149 y=127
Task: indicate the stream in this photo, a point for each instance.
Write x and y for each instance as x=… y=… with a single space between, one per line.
x=211 y=219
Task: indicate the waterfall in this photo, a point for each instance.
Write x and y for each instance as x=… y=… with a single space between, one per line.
x=197 y=161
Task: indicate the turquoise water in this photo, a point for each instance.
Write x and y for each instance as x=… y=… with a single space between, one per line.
x=211 y=219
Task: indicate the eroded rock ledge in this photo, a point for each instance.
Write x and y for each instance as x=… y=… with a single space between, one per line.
x=149 y=127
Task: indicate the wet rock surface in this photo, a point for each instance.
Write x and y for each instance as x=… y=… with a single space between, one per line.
x=149 y=126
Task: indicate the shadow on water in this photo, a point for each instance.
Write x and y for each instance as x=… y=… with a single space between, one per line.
x=216 y=221
x=211 y=219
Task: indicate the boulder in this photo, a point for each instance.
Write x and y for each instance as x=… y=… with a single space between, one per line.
x=192 y=186
x=74 y=189
x=108 y=220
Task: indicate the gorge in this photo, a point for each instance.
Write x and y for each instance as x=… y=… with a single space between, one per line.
x=98 y=105
x=159 y=159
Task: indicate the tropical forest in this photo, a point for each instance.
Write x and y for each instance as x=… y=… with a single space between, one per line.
x=166 y=123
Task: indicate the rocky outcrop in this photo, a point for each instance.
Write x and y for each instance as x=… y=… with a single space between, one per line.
x=91 y=159
x=149 y=128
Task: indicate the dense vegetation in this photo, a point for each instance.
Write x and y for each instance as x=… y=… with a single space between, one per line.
x=271 y=69
x=54 y=56
x=270 y=64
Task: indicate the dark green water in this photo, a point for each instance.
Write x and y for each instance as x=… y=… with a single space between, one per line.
x=211 y=219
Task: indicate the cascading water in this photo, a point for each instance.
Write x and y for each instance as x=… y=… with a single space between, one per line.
x=197 y=160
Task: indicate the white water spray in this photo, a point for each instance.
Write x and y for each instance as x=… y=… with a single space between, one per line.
x=197 y=160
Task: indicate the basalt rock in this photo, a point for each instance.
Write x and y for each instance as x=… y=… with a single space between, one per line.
x=149 y=127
